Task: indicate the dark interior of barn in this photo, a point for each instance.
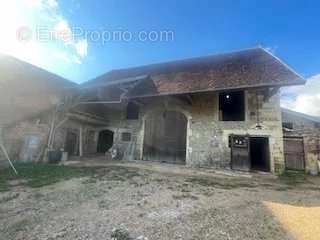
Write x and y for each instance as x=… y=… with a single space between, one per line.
x=259 y=153
x=105 y=141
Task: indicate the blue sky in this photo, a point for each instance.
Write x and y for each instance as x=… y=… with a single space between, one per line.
x=290 y=29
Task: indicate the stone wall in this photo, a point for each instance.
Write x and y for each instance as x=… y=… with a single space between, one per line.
x=27 y=140
x=207 y=137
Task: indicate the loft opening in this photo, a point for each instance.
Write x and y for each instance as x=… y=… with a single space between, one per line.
x=133 y=111
x=259 y=154
x=232 y=106
x=105 y=141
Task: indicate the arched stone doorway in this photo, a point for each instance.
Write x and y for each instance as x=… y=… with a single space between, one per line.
x=165 y=137
x=105 y=141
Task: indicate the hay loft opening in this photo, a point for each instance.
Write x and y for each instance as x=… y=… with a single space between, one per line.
x=105 y=141
x=231 y=106
x=132 y=111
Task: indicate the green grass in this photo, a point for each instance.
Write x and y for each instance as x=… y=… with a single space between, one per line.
x=293 y=178
x=38 y=175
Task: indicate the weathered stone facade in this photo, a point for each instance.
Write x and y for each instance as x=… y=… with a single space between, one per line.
x=207 y=137
x=27 y=141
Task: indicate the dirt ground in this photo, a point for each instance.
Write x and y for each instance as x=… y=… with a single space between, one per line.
x=158 y=204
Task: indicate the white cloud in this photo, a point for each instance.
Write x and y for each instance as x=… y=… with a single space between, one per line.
x=32 y=14
x=67 y=58
x=52 y=3
x=63 y=31
x=35 y=3
x=305 y=99
x=82 y=48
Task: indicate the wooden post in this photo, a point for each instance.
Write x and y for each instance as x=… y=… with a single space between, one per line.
x=6 y=153
x=52 y=128
x=80 y=141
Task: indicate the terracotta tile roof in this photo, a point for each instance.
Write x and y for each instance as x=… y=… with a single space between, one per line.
x=243 y=69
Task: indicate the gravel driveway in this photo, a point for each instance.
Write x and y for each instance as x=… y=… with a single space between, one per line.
x=154 y=204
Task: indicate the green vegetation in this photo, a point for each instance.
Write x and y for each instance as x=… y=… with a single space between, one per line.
x=38 y=175
x=293 y=178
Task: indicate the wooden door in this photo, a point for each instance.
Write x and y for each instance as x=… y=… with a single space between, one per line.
x=165 y=137
x=240 y=152
x=294 y=153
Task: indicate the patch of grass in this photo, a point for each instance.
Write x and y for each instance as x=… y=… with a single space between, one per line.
x=38 y=175
x=293 y=178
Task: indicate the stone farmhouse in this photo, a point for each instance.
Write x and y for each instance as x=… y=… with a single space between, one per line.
x=219 y=111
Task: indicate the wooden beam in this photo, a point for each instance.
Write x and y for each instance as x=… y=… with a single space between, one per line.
x=4 y=150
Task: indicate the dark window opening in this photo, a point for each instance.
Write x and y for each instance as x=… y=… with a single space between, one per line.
x=105 y=141
x=132 y=111
x=231 y=106
x=126 y=137
x=259 y=153
x=287 y=125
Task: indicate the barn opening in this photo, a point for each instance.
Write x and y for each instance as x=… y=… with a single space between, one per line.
x=105 y=141
x=259 y=154
x=231 y=106
x=165 y=137
x=71 y=143
x=133 y=111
